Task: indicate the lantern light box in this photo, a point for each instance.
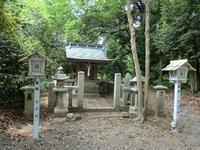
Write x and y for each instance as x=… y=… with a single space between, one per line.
x=36 y=64
x=178 y=70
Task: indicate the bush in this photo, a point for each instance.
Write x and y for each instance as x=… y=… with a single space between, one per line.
x=13 y=75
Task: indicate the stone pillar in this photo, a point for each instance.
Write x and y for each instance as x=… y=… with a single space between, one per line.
x=125 y=95
x=134 y=97
x=132 y=100
x=81 y=76
x=28 y=102
x=133 y=108
x=160 y=99
x=51 y=97
x=126 y=89
x=70 y=97
x=117 y=90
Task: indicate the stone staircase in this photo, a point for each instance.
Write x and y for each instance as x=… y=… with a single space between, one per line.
x=91 y=88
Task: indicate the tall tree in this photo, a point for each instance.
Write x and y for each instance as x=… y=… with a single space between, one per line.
x=147 y=56
x=178 y=32
x=12 y=75
x=136 y=60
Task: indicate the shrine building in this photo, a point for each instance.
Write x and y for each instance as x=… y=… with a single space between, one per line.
x=87 y=58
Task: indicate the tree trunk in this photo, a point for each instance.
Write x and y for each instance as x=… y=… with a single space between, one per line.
x=136 y=61
x=193 y=81
x=160 y=69
x=197 y=73
x=147 y=57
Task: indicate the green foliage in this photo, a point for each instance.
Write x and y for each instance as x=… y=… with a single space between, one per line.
x=46 y=26
x=178 y=32
x=12 y=74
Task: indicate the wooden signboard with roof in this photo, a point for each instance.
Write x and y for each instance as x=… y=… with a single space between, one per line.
x=36 y=63
x=178 y=72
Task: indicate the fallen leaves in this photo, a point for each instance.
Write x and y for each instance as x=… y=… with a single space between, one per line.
x=193 y=101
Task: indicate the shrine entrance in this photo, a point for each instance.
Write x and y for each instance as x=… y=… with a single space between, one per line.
x=90 y=69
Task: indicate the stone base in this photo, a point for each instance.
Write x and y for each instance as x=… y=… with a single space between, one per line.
x=28 y=109
x=50 y=109
x=29 y=116
x=159 y=114
x=133 y=112
x=60 y=113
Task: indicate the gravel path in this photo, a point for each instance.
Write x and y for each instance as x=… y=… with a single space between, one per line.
x=112 y=132
x=105 y=131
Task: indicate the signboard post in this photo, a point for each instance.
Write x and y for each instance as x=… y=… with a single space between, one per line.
x=36 y=69
x=176 y=113
x=36 y=117
x=178 y=72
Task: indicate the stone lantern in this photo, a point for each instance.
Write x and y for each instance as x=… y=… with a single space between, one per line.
x=178 y=71
x=60 y=110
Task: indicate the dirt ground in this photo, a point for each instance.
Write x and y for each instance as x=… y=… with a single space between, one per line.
x=105 y=131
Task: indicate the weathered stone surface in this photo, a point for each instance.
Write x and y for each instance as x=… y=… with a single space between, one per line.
x=127 y=80
x=125 y=115
x=60 y=113
x=160 y=87
x=28 y=102
x=72 y=117
x=117 y=88
x=81 y=76
x=60 y=110
x=160 y=99
x=132 y=112
x=126 y=90
x=58 y=120
x=69 y=115
x=51 y=97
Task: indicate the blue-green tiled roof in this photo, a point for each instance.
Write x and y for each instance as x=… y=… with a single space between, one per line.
x=86 y=52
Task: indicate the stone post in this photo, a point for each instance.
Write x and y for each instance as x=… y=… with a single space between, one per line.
x=160 y=99
x=51 y=97
x=126 y=89
x=125 y=95
x=28 y=103
x=81 y=76
x=117 y=90
x=134 y=97
x=133 y=108
x=70 y=97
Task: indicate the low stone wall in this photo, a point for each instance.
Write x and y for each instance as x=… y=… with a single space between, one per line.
x=106 y=87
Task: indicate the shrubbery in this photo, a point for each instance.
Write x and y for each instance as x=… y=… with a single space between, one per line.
x=13 y=75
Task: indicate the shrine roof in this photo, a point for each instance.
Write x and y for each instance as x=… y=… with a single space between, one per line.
x=176 y=64
x=32 y=54
x=86 y=52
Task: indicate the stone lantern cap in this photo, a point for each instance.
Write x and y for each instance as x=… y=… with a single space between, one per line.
x=60 y=75
x=28 y=87
x=160 y=87
x=134 y=80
